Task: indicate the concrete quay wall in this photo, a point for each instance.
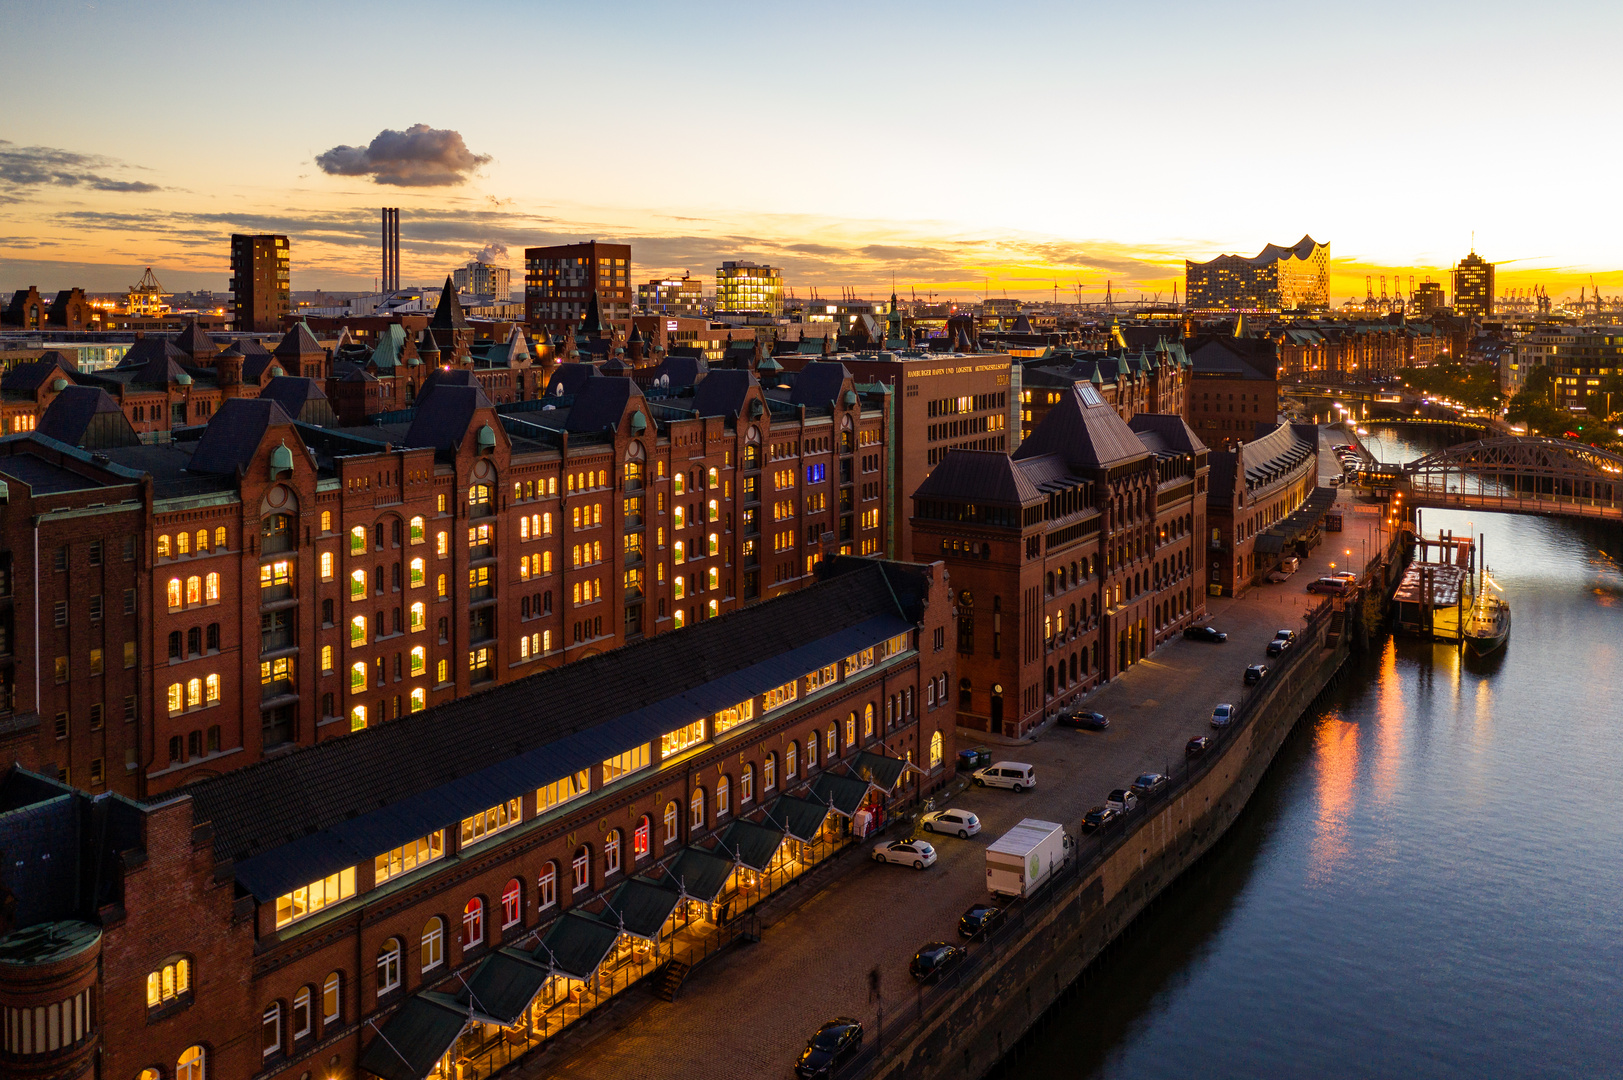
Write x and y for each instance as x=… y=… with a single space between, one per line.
x=967 y=1032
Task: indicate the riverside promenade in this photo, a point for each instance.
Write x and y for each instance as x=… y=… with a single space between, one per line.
x=747 y=1013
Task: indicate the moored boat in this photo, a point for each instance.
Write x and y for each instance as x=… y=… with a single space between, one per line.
x=1488 y=626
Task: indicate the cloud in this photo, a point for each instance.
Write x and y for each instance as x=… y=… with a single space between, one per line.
x=492 y=254
x=420 y=156
x=26 y=167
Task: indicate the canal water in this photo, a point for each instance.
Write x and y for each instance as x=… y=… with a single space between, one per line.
x=1428 y=882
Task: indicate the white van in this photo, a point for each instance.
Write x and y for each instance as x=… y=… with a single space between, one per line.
x=1009 y=774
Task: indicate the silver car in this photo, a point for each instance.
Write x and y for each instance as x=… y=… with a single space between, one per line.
x=961 y=823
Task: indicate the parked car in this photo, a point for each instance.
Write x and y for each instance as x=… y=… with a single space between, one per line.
x=1150 y=781
x=1098 y=817
x=831 y=1047
x=933 y=959
x=961 y=823
x=1205 y=633
x=915 y=853
x=1197 y=746
x=1009 y=774
x=1254 y=674
x=1333 y=585
x=1284 y=635
x=1278 y=645
x=979 y=919
x=1082 y=719
x=1122 y=799
x=974 y=758
x=1222 y=716
x=1345 y=575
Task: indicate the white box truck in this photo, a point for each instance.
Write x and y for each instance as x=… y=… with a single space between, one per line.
x=1022 y=858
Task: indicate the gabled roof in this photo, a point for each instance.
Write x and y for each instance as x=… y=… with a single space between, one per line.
x=30 y=375
x=600 y=403
x=88 y=417
x=444 y=417
x=448 y=315
x=1168 y=430
x=979 y=476
x=570 y=378
x=391 y=344
x=680 y=371
x=146 y=349
x=234 y=433
x=195 y=343
x=1084 y=432
x=302 y=399
x=817 y=385
x=722 y=393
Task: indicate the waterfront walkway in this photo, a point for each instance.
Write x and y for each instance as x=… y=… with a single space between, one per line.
x=747 y=1013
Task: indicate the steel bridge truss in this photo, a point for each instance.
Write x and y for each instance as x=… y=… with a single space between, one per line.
x=1526 y=473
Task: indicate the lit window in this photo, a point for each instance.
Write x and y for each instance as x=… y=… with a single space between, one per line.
x=419 y=617
x=935 y=750
x=183 y=544
x=326 y=566
x=546 y=887
x=670 y=822
x=357 y=718
x=194 y=590
x=174 y=593
x=389 y=966
x=488 y=823
x=611 y=852
x=309 y=899
x=172 y=981
x=163 y=547
x=419 y=699
x=211 y=689
x=357 y=584
x=561 y=791
x=433 y=951
x=326 y=658
x=409 y=856
x=357 y=540
x=357 y=630
x=724 y=792
x=332 y=999
x=781 y=695
x=418 y=575
x=512 y=903
x=417 y=531
x=628 y=762
x=681 y=739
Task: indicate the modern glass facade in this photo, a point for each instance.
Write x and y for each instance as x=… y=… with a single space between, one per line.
x=1276 y=279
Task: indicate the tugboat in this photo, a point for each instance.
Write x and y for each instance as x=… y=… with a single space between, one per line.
x=1489 y=623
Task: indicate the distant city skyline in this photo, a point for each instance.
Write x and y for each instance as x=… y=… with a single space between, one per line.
x=936 y=173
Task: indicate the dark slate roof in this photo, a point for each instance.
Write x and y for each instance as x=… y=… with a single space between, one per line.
x=680 y=371
x=504 y=985
x=298 y=343
x=427 y=346
x=1245 y=358
x=194 y=342
x=878 y=769
x=442 y=418
x=570 y=377
x=698 y=873
x=1022 y=325
x=817 y=385
x=1084 y=432
x=1170 y=430
x=81 y=411
x=416 y=1036
x=600 y=403
x=448 y=315
x=291 y=818
x=751 y=844
x=443 y=377
x=234 y=433
x=799 y=818
x=641 y=906
x=979 y=475
x=841 y=794
x=576 y=944
x=722 y=393
x=30 y=375
x=302 y=399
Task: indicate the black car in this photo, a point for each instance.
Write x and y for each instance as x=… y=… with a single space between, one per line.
x=833 y=1044
x=1197 y=746
x=1254 y=673
x=975 y=758
x=1278 y=645
x=979 y=919
x=1099 y=816
x=933 y=959
x=1150 y=781
x=1083 y=719
x=1205 y=633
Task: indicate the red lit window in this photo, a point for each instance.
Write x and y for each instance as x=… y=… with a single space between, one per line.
x=512 y=903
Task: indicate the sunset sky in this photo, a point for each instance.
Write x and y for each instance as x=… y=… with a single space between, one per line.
x=955 y=147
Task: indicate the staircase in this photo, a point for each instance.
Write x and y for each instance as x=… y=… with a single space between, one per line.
x=669 y=982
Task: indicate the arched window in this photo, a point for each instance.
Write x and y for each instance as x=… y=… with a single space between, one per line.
x=163 y=547
x=546 y=887
x=811 y=752
x=193 y=1064
x=433 y=943
x=270 y=1029
x=389 y=966
x=769 y=772
x=639 y=838
x=611 y=852
x=833 y=750
x=326 y=566
x=419 y=617
x=696 y=810
x=935 y=750
x=419 y=699
x=211 y=689
x=194 y=590
x=715 y=512
x=582 y=867
x=194 y=693
x=202 y=540
x=715 y=544
x=512 y=903
x=473 y=923
x=419 y=573
x=417 y=532
x=183 y=544
x=174 y=593
x=171 y=982
x=746 y=785
x=791 y=764
x=419 y=660
x=724 y=797
x=332 y=999
x=851 y=729
x=671 y=831
x=303 y=1022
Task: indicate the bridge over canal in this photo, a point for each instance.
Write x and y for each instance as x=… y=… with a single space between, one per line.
x=1516 y=475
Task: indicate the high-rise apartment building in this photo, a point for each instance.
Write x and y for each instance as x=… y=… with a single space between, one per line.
x=747 y=286
x=1276 y=279
x=672 y=296
x=483 y=279
x=560 y=281
x=1473 y=287
x=1427 y=298
x=260 y=282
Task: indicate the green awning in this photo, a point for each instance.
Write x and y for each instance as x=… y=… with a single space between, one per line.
x=800 y=818
x=699 y=873
x=843 y=794
x=502 y=987
x=878 y=770
x=751 y=844
x=413 y=1040
x=576 y=944
x=640 y=907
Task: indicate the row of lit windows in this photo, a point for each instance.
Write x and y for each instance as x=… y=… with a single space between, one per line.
x=183 y=542
x=194 y=694
x=198 y=590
